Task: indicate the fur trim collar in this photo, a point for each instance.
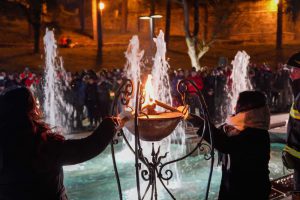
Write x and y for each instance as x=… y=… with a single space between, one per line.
x=257 y=118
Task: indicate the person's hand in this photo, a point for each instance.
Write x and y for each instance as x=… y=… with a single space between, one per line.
x=124 y=117
x=109 y=124
x=116 y=121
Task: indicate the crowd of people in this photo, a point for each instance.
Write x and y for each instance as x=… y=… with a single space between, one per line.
x=216 y=85
x=91 y=93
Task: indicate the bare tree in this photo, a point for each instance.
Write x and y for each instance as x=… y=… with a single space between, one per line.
x=33 y=12
x=196 y=48
x=220 y=10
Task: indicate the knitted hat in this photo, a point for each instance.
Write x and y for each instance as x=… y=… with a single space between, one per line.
x=249 y=100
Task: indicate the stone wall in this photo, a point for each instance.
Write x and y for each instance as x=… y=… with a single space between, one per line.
x=251 y=22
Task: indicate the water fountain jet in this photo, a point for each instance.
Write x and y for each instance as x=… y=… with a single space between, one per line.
x=155 y=125
x=240 y=79
x=57 y=111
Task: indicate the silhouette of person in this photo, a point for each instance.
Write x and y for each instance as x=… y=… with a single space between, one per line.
x=32 y=155
x=244 y=146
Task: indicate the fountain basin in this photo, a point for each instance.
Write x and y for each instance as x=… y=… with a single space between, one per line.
x=155 y=127
x=95 y=178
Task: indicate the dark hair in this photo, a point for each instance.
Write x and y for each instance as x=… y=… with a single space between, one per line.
x=249 y=100
x=19 y=110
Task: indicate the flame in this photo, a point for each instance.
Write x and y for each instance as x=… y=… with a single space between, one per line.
x=148 y=91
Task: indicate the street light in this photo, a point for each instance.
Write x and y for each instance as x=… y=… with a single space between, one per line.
x=101 y=6
x=156 y=16
x=151 y=18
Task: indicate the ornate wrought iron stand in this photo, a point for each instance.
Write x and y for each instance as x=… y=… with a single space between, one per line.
x=154 y=169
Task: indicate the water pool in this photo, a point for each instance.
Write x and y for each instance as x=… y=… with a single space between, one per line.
x=95 y=179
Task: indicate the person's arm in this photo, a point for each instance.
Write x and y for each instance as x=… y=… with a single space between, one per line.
x=220 y=139
x=72 y=152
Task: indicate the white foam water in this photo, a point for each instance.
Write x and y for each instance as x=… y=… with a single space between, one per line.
x=134 y=63
x=56 y=110
x=161 y=85
x=239 y=77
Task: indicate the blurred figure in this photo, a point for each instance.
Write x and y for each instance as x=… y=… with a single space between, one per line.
x=92 y=101
x=78 y=91
x=26 y=77
x=282 y=85
x=2 y=81
x=63 y=42
x=209 y=93
x=194 y=100
x=179 y=76
x=220 y=94
x=104 y=88
x=116 y=86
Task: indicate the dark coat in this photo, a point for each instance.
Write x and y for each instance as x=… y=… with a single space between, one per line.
x=245 y=173
x=104 y=98
x=293 y=129
x=91 y=94
x=31 y=166
x=293 y=136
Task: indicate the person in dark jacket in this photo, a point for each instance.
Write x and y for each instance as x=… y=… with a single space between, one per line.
x=291 y=152
x=177 y=100
x=244 y=144
x=78 y=95
x=92 y=101
x=104 y=87
x=32 y=155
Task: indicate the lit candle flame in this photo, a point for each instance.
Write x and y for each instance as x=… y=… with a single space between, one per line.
x=149 y=92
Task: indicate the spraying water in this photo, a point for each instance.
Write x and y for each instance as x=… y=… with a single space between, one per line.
x=239 y=77
x=133 y=66
x=57 y=111
x=161 y=86
x=161 y=82
x=162 y=90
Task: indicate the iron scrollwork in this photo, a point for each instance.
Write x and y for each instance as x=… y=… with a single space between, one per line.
x=154 y=169
x=123 y=96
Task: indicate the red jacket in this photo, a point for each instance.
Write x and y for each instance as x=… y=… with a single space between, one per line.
x=198 y=82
